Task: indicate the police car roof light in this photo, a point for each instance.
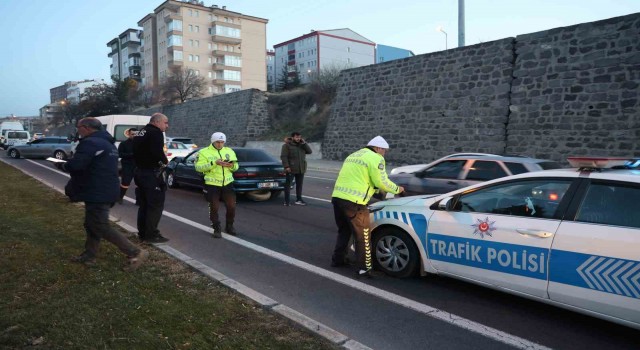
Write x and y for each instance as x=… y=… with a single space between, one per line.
x=596 y=162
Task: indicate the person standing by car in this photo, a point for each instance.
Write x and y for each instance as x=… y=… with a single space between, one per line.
x=94 y=181
x=294 y=159
x=125 y=151
x=148 y=153
x=218 y=163
x=362 y=173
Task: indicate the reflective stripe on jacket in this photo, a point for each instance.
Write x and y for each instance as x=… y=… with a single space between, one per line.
x=214 y=174
x=362 y=172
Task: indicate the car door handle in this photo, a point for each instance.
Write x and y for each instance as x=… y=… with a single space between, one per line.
x=535 y=233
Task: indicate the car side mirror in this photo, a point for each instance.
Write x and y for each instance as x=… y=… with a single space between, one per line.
x=446 y=204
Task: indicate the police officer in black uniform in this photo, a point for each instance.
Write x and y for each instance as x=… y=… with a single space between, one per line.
x=148 y=152
x=125 y=152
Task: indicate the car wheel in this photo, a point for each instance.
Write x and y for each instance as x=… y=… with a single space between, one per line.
x=395 y=253
x=171 y=181
x=275 y=194
x=14 y=153
x=59 y=155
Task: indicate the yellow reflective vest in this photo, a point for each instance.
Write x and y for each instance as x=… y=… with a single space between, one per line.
x=362 y=173
x=214 y=174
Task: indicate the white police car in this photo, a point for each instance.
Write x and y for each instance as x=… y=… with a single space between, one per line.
x=567 y=237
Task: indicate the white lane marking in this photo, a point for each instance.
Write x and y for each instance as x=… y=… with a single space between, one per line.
x=48 y=168
x=427 y=310
x=318 y=199
x=319 y=178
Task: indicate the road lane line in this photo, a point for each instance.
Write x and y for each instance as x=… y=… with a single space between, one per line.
x=427 y=310
x=319 y=178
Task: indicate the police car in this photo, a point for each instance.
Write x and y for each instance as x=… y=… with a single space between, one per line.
x=567 y=237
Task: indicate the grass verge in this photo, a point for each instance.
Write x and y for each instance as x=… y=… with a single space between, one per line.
x=47 y=302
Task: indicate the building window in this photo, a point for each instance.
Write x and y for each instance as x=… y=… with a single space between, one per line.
x=348 y=49
x=210 y=87
x=175 y=24
x=190 y=28
x=232 y=88
x=175 y=40
x=197 y=13
x=190 y=58
x=209 y=46
x=197 y=43
x=197 y=58
x=233 y=61
x=225 y=31
x=231 y=75
x=190 y=13
x=197 y=72
x=210 y=59
x=210 y=74
x=197 y=28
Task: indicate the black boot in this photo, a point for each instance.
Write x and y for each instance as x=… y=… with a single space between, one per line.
x=217 y=232
x=123 y=191
x=230 y=230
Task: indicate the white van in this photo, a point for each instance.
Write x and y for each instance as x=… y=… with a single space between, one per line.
x=4 y=126
x=117 y=124
x=15 y=137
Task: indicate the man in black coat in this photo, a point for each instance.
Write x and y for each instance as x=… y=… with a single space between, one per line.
x=94 y=181
x=148 y=153
x=125 y=151
x=294 y=160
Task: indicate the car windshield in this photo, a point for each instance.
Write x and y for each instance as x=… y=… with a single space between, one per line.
x=17 y=135
x=181 y=139
x=253 y=155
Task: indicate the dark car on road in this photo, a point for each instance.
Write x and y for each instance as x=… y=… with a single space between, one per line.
x=452 y=173
x=260 y=175
x=50 y=146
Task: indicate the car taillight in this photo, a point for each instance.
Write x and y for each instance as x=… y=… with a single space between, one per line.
x=169 y=154
x=243 y=174
x=553 y=196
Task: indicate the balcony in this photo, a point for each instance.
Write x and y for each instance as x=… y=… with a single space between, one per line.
x=226 y=24
x=172 y=48
x=222 y=66
x=131 y=43
x=225 y=39
x=173 y=62
x=172 y=16
x=226 y=82
x=226 y=53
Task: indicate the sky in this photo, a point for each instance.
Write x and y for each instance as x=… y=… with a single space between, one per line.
x=50 y=42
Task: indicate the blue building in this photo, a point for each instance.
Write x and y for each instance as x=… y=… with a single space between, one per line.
x=386 y=53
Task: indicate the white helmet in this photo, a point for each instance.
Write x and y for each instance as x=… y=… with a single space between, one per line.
x=218 y=136
x=378 y=141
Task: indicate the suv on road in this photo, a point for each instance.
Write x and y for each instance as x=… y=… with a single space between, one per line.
x=451 y=173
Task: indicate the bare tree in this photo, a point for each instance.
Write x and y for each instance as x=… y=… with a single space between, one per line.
x=182 y=85
x=325 y=83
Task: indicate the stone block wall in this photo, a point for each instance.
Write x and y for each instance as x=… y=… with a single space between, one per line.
x=426 y=106
x=575 y=91
x=564 y=91
x=241 y=115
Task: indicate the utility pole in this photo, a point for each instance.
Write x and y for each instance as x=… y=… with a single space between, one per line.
x=460 y=23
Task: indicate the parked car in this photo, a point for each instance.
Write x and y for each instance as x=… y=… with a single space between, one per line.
x=186 y=140
x=176 y=149
x=452 y=173
x=568 y=237
x=260 y=175
x=50 y=146
x=14 y=137
x=410 y=169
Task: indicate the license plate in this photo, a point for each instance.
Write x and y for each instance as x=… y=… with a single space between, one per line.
x=267 y=184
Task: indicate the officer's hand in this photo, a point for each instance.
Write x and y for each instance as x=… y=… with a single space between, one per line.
x=401 y=189
x=59 y=166
x=288 y=170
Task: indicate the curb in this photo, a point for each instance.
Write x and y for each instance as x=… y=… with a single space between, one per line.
x=310 y=324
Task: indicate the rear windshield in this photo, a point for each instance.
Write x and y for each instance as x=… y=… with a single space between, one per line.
x=17 y=135
x=183 y=140
x=549 y=165
x=253 y=155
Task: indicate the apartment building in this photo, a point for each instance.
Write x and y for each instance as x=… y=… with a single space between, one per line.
x=59 y=93
x=226 y=48
x=309 y=54
x=125 y=54
x=386 y=53
x=75 y=91
x=271 y=70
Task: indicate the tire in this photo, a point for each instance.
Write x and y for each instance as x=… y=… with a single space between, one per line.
x=395 y=253
x=171 y=180
x=275 y=194
x=14 y=154
x=258 y=195
x=59 y=155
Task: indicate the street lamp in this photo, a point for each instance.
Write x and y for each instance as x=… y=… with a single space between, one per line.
x=446 y=37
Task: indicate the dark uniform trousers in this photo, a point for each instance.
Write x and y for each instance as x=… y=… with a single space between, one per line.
x=127 y=173
x=228 y=196
x=352 y=219
x=97 y=226
x=287 y=188
x=151 y=196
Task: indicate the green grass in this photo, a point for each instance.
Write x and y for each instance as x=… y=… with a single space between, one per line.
x=47 y=302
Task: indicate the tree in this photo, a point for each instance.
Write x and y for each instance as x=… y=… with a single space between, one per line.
x=325 y=83
x=182 y=85
x=287 y=80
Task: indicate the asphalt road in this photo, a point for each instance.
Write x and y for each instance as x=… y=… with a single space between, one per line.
x=382 y=313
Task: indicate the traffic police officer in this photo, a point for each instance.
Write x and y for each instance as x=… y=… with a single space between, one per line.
x=125 y=152
x=362 y=173
x=148 y=152
x=218 y=163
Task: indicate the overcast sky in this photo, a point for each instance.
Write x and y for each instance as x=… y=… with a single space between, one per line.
x=50 y=42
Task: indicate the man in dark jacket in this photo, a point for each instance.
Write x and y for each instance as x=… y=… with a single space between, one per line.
x=148 y=153
x=125 y=151
x=94 y=181
x=294 y=159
